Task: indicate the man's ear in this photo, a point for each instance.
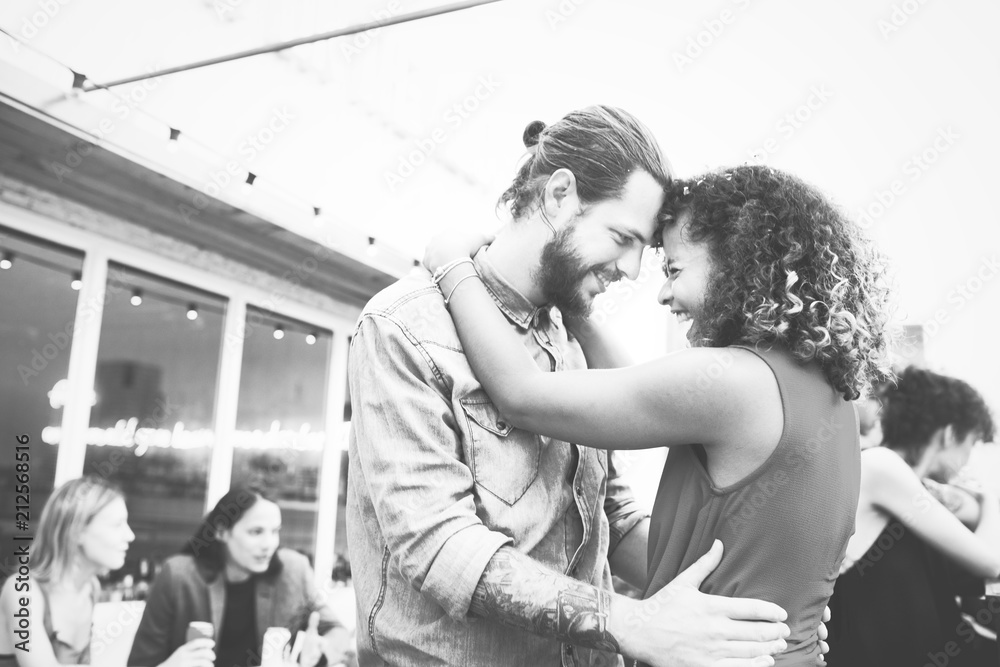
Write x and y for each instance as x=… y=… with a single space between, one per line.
x=559 y=194
x=948 y=438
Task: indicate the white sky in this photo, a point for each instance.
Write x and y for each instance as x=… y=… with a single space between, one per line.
x=886 y=79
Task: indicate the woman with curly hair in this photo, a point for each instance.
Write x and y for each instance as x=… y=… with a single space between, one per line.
x=787 y=312
x=911 y=555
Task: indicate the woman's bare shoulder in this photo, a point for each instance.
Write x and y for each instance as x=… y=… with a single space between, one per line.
x=18 y=586
x=18 y=590
x=882 y=462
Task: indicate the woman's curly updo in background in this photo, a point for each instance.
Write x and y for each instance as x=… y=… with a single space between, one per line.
x=788 y=268
x=601 y=145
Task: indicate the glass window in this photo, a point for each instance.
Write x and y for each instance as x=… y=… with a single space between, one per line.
x=281 y=418
x=342 y=560
x=38 y=302
x=152 y=426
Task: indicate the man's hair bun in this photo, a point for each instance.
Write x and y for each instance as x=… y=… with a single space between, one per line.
x=532 y=133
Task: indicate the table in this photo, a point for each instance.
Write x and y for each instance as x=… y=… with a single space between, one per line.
x=992 y=601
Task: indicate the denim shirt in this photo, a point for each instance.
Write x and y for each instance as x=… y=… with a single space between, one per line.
x=438 y=481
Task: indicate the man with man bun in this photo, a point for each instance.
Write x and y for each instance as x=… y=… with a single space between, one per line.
x=474 y=543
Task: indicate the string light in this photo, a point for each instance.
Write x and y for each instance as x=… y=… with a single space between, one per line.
x=138 y=295
x=175 y=136
x=78 y=81
x=372 y=249
x=279 y=332
x=247 y=188
x=79 y=88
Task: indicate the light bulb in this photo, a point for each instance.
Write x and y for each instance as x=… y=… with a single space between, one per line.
x=172 y=143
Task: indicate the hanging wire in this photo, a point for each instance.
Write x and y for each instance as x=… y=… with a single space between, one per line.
x=170 y=130
x=282 y=46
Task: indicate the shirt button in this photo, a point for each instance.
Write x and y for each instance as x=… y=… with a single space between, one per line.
x=501 y=425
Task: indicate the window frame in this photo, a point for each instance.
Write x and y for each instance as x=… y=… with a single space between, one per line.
x=98 y=251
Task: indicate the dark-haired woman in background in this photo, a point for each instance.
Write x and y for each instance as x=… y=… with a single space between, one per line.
x=233 y=575
x=894 y=603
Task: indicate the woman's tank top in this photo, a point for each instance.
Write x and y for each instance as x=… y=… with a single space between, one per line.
x=785 y=526
x=66 y=654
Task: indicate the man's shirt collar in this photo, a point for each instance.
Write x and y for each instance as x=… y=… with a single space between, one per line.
x=517 y=307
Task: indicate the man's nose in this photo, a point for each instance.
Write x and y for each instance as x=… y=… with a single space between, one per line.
x=631 y=264
x=666 y=294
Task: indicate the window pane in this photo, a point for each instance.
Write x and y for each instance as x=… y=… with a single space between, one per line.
x=38 y=306
x=151 y=430
x=281 y=418
x=342 y=566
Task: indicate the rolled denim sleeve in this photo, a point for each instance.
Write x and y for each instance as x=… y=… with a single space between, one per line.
x=409 y=451
x=623 y=511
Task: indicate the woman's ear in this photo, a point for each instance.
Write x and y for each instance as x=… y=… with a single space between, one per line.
x=948 y=438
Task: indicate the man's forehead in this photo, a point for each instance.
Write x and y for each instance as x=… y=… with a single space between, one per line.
x=643 y=195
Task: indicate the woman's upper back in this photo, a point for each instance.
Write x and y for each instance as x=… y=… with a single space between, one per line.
x=784 y=526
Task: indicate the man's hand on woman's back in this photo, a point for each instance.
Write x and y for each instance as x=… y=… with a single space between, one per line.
x=683 y=627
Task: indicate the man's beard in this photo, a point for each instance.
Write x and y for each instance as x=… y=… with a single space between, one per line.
x=560 y=275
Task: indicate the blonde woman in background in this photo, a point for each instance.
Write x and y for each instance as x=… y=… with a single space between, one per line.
x=83 y=533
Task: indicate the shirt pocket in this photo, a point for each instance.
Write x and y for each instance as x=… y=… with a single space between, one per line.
x=504 y=459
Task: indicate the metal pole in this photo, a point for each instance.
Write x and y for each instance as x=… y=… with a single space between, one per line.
x=281 y=46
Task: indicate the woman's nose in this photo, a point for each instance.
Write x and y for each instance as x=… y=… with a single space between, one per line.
x=665 y=295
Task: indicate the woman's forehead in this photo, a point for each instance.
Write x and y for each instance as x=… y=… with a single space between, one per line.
x=673 y=237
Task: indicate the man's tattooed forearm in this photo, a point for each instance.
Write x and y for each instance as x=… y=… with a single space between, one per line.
x=517 y=591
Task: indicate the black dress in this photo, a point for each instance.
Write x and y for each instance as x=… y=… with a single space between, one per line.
x=237 y=645
x=896 y=608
